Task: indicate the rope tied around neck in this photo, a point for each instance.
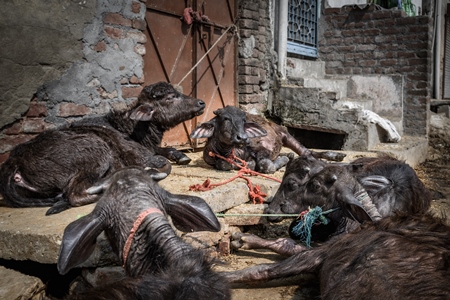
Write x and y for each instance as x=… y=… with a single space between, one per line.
x=254 y=192
x=137 y=223
x=308 y=218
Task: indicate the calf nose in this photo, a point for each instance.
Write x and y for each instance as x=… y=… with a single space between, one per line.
x=201 y=103
x=240 y=139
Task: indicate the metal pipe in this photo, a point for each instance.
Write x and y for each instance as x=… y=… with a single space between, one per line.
x=437 y=57
x=282 y=37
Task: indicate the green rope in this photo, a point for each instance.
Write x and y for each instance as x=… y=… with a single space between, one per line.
x=307 y=220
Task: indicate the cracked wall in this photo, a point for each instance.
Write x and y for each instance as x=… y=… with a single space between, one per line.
x=62 y=60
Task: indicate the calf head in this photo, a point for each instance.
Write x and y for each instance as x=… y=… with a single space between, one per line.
x=126 y=194
x=298 y=172
x=228 y=129
x=336 y=189
x=162 y=104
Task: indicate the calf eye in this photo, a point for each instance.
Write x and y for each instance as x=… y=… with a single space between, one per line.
x=315 y=186
x=170 y=97
x=293 y=185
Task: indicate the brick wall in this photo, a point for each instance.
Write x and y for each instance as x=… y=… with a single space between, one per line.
x=255 y=55
x=110 y=75
x=373 y=41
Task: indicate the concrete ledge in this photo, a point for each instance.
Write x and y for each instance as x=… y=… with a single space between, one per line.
x=412 y=150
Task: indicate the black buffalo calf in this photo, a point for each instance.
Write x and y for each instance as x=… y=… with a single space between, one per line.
x=132 y=212
x=251 y=138
x=55 y=168
x=398 y=257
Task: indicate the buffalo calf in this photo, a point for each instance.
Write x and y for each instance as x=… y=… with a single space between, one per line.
x=251 y=138
x=56 y=167
x=398 y=257
x=364 y=190
x=133 y=212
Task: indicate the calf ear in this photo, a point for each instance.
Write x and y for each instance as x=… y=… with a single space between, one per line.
x=254 y=130
x=191 y=213
x=353 y=208
x=375 y=183
x=143 y=112
x=78 y=242
x=204 y=130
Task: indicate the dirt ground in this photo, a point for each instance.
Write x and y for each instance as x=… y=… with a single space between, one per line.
x=434 y=172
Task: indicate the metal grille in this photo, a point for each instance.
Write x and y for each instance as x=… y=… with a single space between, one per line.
x=446 y=88
x=302 y=27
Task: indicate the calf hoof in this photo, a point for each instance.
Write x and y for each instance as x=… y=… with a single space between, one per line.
x=58 y=207
x=330 y=155
x=160 y=163
x=183 y=160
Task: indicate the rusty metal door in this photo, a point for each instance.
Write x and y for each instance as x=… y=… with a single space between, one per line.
x=192 y=44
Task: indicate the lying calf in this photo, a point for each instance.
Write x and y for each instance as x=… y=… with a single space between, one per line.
x=252 y=138
x=399 y=257
x=366 y=189
x=56 y=167
x=133 y=213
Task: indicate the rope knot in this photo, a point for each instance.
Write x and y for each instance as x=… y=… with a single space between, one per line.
x=306 y=220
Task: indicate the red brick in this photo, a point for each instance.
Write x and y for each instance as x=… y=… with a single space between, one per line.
x=15 y=128
x=100 y=47
x=37 y=110
x=72 y=109
x=139 y=24
x=35 y=126
x=136 y=7
x=137 y=36
x=136 y=80
x=115 y=33
x=388 y=62
x=140 y=49
x=131 y=92
x=117 y=19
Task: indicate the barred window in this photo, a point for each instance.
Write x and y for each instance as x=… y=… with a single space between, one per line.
x=302 y=27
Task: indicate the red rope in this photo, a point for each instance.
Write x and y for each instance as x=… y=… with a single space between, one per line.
x=137 y=223
x=254 y=192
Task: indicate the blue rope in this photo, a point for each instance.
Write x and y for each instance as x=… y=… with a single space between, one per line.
x=306 y=222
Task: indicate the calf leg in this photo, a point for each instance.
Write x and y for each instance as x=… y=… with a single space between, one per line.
x=157 y=162
x=59 y=206
x=174 y=155
x=282 y=246
x=329 y=155
x=267 y=166
x=307 y=261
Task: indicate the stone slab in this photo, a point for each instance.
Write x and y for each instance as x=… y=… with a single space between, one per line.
x=15 y=285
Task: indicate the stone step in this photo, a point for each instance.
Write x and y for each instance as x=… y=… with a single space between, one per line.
x=352 y=103
x=299 y=68
x=339 y=86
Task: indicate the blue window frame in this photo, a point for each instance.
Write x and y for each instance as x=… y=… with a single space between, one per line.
x=302 y=27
